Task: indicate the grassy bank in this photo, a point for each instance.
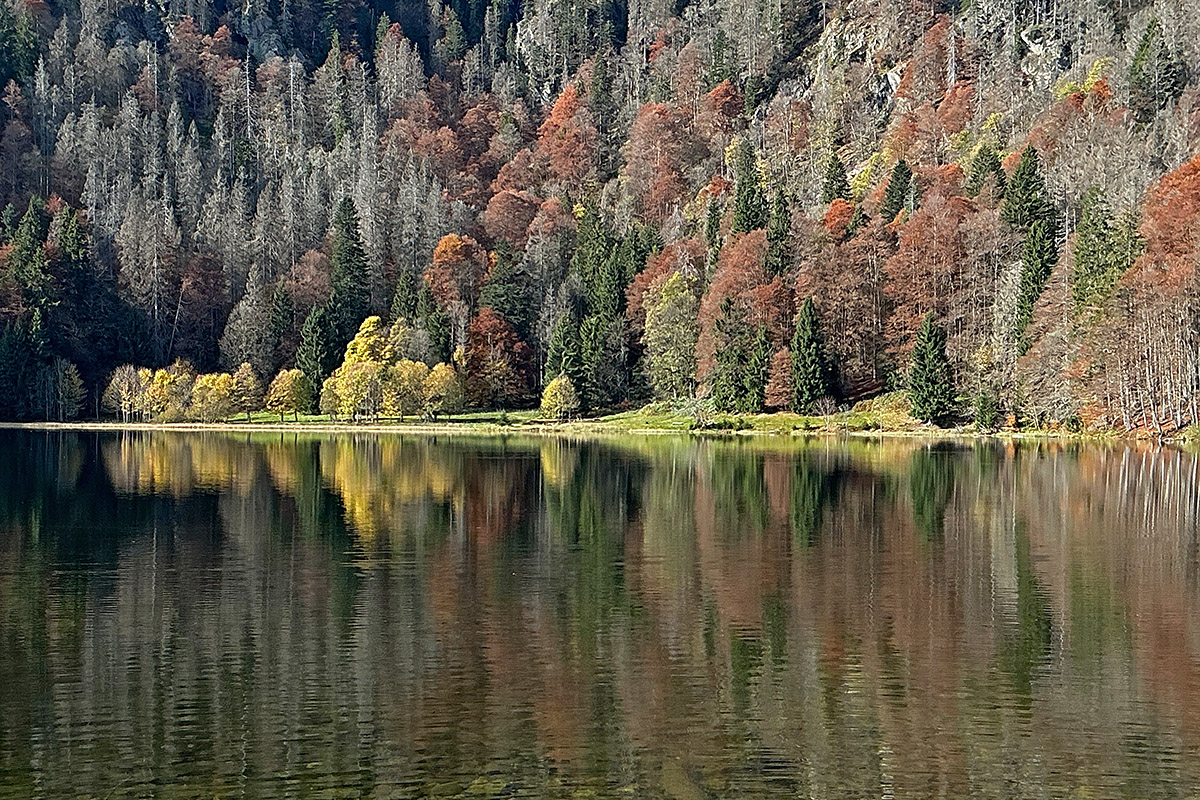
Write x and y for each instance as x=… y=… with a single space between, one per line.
x=884 y=416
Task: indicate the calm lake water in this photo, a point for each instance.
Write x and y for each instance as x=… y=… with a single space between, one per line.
x=209 y=615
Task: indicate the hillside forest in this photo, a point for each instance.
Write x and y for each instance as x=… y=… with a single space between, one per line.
x=367 y=207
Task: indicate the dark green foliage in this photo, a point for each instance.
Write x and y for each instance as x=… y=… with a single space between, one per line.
x=836 y=183
x=810 y=367
x=987 y=410
x=404 y=300
x=722 y=59
x=749 y=201
x=27 y=261
x=986 y=164
x=779 y=236
x=1037 y=262
x=349 y=276
x=18 y=44
x=1157 y=76
x=8 y=223
x=732 y=358
x=318 y=354
x=1103 y=250
x=433 y=320
x=565 y=357
x=754 y=379
x=1026 y=199
x=898 y=189
x=15 y=371
x=512 y=291
x=283 y=313
x=712 y=231
x=930 y=378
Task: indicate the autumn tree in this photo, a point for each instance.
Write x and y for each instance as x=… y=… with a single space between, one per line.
x=247 y=396
x=671 y=331
x=559 y=400
x=497 y=362
x=456 y=278
x=290 y=393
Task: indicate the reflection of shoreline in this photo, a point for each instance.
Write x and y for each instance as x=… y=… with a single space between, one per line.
x=599 y=427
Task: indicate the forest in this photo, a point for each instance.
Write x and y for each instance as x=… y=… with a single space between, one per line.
x=372 y=208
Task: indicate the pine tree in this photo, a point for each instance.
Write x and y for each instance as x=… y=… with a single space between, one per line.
x=749 y=202
x=986 y=164
x=895 y=198
x=317 y=354
x=836 y=183
x=404 y=300
x=349 y=277
x=754 y=379
x=779 y=235
x=810 y=367
x=728 y=380
x=1026 y=199
x=930 y=378
x=1037 y=262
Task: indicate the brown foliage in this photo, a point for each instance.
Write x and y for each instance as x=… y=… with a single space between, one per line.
x=458 y=271
x=509 y=214
x=567 y=139
x=497 y=362
x=685 y=256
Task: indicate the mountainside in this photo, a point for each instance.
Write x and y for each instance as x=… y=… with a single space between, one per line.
x=996 y=201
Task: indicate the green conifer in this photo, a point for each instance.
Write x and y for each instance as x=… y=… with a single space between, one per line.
x=836 y=183
x=779 y=235
x=930 y=378
x=986 y=164
x=899 y=185
x=810 y=367
x=349 y=276
x=749 y=201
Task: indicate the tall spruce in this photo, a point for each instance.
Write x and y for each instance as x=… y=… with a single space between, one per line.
x=810 y=366
x=1026 y=199
x=1037 y=262
x=318 y=354
x=779 y=236
x=728 y=377
x=749 y=201
x=986 y=164
x=349 y=276
x=836 y=183
x=754 y=379
x=930 y=377
x=899 y=186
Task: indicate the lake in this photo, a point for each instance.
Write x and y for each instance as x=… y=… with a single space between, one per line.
x=200 y=615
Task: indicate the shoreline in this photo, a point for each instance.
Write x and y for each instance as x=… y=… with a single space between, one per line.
x=602 y=426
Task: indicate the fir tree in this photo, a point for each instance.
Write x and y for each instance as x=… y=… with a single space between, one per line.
x=1037 y=262
x=810 y=367
x=1026 y=199
x=434 y=321
x=779 y=235
x=895 y=197
x=1104 y=249
x=733 y=353
x=712 y=231
x=512 y=291
x=349 y=276
x=930 y=378
x=317 y=355
x=986 y=164
x=749 y=202
x=404 y=300
x=282 y=321
x=754 y=379
x=836 y=183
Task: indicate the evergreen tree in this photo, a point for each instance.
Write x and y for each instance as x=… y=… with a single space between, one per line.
x=1156 y=75
x=1026 y=199
x=1104 y=249
x=317 y=355
x=836 y=183
x=728 y=381
x=1037 y=262
x=565 y=356
x=512 y=291
x=349 y=277
x=749 y=201
x=282 y=322
x=779 y=236
x=404 y=301
x=810 y=367
x=712 y=232
x=930 y=378
x=986 y=164
x=435 y=322
x=895 y=198
x=754 y=379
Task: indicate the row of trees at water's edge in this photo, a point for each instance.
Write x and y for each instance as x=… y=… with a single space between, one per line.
x=735 y=206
